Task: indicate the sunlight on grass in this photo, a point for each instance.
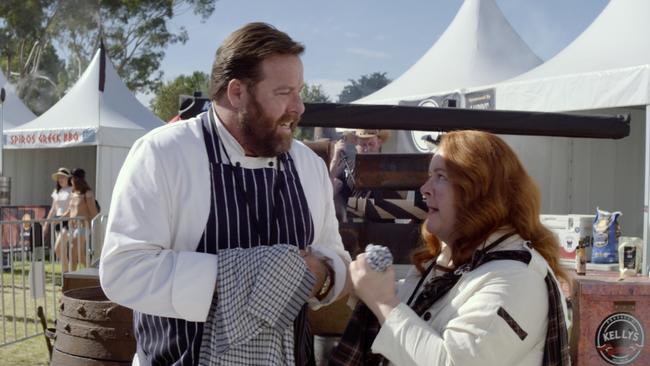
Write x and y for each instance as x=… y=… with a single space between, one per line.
x=18 y=317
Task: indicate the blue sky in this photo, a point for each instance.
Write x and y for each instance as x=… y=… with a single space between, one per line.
x=345 y=39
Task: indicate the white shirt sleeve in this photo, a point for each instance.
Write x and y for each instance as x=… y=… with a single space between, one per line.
x=143 y=265
x=327 y=241
x=475 y=334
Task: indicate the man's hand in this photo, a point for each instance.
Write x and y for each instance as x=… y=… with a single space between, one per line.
x=317 y=267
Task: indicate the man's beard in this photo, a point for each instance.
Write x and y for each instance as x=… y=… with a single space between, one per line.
x=260 y=132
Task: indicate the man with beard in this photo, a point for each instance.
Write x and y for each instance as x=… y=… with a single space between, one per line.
x=220 y=230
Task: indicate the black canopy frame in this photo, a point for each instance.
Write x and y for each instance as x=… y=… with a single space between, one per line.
x=399 y=117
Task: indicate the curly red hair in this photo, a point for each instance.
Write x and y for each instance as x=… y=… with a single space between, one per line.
x=492 y=190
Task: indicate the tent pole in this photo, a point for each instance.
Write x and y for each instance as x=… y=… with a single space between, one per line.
x=646 y=195
x=98 y=175
x=2 y=128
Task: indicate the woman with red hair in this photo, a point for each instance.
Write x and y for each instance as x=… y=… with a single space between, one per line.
x=484 y=288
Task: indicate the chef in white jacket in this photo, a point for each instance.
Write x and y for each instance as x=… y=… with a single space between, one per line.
x=232 y=178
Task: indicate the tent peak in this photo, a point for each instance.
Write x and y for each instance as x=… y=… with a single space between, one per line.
x=478 y=47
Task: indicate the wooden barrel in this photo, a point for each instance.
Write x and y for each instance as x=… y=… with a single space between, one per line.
x=92 y=331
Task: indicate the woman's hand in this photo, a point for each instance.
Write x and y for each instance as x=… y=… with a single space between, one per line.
x=375 y=289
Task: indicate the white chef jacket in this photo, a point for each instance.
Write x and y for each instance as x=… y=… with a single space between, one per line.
x=158 y=212
x=464 y=328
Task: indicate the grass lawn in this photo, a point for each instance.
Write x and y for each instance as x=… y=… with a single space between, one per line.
x=31 y=352
x=19 y=321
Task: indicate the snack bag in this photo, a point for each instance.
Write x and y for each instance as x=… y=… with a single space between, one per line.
x=606 y=231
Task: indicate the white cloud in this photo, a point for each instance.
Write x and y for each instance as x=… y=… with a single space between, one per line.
x=331 y=87
x=368 y=53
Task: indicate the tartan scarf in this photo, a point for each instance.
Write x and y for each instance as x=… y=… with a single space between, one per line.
x=355 y=344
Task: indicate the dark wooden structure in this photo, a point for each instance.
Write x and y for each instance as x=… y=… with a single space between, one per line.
x=401 y=117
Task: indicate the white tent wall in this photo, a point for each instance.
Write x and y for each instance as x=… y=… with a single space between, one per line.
x=576 y=175
x=30 y=171
x=605 y=69
x=609 y=173
x=109 y=162
x=544 y=160
x=580 y=91
x=646 y=193
x=399 y=142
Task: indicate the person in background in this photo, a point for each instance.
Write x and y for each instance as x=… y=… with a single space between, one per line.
x=60 y=201
x=484 y=289
x=346 y=148
x=342 y=165
x=81 y=210
x=371 y=141
x=218 y=235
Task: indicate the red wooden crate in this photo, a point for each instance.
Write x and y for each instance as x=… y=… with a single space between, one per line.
x=611 y=320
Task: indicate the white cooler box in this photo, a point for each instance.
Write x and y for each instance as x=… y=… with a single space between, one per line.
x=570 y=231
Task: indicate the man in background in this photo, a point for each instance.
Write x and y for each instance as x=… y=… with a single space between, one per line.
x=342 y=165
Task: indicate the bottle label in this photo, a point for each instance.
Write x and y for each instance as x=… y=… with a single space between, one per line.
x=629 y=257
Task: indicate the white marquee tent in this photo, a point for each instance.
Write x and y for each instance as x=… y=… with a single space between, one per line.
x=604 y=70
x=478 y=47
x=93 y=127
x=14 y=112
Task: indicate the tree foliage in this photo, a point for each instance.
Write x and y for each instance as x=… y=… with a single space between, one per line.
x=165 y=102
x=365 y=85
x=313 y=93
x=135 y=33
x=28 y=58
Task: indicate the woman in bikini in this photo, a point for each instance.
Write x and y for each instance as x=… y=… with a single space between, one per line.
x=81 y=210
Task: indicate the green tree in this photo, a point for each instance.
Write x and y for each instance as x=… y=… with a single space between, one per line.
x=135 y=33
x=165 y=102
x=313 y=93
x=28 y=59
x=365 y=85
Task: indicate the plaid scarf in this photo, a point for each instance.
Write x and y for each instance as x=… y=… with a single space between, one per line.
x=356 y=341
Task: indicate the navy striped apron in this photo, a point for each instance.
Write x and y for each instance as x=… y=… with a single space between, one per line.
x=248 y=207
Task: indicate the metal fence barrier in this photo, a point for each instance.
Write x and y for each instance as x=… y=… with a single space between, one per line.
x=34 y=256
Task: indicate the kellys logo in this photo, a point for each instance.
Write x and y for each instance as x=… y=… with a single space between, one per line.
x=620 y=339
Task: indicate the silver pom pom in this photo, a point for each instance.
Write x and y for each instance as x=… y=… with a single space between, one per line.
x=378 y=257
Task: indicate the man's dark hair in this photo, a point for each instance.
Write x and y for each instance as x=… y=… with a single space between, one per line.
x=240 y=55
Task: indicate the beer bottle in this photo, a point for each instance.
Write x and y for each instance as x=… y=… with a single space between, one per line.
x=581 y=259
